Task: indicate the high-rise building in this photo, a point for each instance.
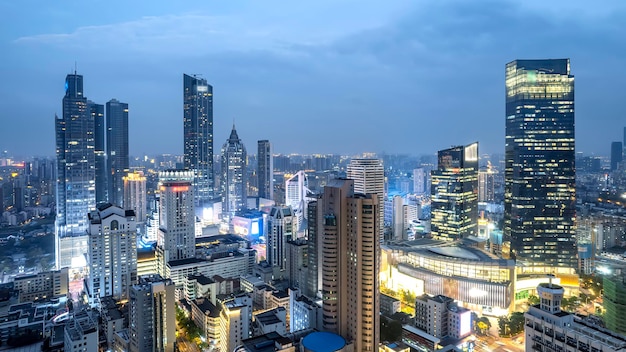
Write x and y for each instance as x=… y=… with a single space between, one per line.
x=349 y=261
x=454 y=193
x=198 y=137
x=117 y=149
x=314 y=274
x=265 y=172
x=419 y=178
x=540 y=191
x=297 y=262
x=112 y=252
x=97 y=113
x=234 y=175
x=486 y=184
x=398 y=218
x=616 y=155
x=296 y=194
x=280 y=229
x=369 y=178
x=614 y=302
x=152 y=315
x=76 y=190
x=176 y=238
x=135 y=194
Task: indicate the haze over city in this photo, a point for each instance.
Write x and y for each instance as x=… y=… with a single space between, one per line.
x=415 y=76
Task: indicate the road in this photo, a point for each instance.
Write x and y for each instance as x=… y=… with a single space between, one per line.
x=490 y=343
x=185 y=346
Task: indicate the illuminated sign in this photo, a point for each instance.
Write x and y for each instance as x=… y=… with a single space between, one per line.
x=465 y=323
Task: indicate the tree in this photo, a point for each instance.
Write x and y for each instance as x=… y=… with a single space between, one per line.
x=516 y=323
x=533 y=300
x=483 y=324
x=390 y=330
x=503 y=326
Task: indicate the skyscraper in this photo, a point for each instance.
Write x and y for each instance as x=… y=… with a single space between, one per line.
x=152 y=315
x=234 y=180
x=176 y=237
x=97 y=113
x=112 y=251
x=117 y=149
x=265 y=171
x=540 y=192
x=349 y=261
x=76 y=191
x=198 y=137
x=616 y=155
x=296 y=194
x=454 y=193
x=281 y=228
x=135 y=194
x=369 y=177
x=486 y=184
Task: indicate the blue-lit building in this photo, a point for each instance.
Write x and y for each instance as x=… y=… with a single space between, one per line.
x=76 y=171
x=117 y=150
x=234 y=180
x=198 y=138
x=250 y=224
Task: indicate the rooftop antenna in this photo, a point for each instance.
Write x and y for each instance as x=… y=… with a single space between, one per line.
x=75 y=66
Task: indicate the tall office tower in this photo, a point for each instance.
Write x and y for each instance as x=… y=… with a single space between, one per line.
x=198 y=137
x=369 y=177
x=616 y=155
x=296 y=194
x=349 y=259
x=313 y=251
x=234 y=175
x=281 y=228
x=454 y=193
x=135 y=194
x=112 y=252
x=117 y=149
x=624 y=142
x=540 y=183
x=97 y=113
x=177 y=238
x=486 y=184
x=76 y=189
x=152 y=315
x=419 y=177
x=265 y=171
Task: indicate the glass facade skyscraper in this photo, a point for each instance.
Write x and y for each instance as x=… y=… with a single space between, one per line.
x=454 y=193
x=97 y=113
x=234 y=182
x=76 y=191
x=265 y=172
x=117 y=150
x=198 y=137
x=540 y=192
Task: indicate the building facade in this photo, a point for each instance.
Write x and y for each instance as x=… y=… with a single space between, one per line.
x=454 y=193
x=280 y=230
x=176 y=238
x=152 y=315
x=135 y=197
x=349 y=262
x=234 y=180
x=102 y=179
x=75 y=186
x=198 y=137
x=112 y=252
x=369 y=178
x=265 y=171
x=540 y=192
x=116 y=150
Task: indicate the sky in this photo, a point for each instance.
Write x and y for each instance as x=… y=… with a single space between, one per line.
x=325 y=76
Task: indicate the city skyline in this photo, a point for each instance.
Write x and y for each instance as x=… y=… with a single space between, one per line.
x=399 y=62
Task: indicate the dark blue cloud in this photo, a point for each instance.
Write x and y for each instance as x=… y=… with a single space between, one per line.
x=412 y=77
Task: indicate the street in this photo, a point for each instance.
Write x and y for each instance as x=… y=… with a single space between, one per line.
x=185 y=346
x=489 y=343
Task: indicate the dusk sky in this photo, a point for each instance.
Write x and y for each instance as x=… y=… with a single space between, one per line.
x=326 y=76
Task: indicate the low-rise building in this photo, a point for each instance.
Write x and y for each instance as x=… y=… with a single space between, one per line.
x=42 y=285
x=81 y=333
x=441 y=317
x=548 y=328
